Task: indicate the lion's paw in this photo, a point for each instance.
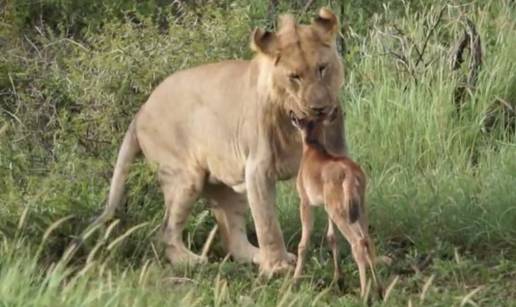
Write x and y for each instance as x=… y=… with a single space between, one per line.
x=183 y=257
x=291 y=258
x=283 y=266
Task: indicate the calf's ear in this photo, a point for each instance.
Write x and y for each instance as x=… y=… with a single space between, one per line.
x=294 y=120
x=331 y=116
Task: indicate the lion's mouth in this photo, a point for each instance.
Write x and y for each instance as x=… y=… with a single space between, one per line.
x=324 y=116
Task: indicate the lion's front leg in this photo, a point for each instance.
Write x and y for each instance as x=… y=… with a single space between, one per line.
x=261 y=193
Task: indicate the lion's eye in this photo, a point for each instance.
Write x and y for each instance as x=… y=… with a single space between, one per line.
x=294 y=77
x=322 y=69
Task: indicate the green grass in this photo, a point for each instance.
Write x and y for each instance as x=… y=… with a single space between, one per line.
x=440 y=186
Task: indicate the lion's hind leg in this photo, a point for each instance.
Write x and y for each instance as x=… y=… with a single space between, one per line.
x=181 y=189
x=230 y=209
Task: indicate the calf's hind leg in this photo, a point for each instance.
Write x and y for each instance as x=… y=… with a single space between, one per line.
x=359 y=254
x=181 y=189
x=332 y=242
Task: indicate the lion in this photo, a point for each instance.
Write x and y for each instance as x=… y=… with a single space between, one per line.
x=221 y=131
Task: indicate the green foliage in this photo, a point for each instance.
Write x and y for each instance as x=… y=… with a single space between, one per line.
x=73 y=73
x=75 y=17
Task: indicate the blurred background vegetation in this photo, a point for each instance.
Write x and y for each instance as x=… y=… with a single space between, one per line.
x=442 y=169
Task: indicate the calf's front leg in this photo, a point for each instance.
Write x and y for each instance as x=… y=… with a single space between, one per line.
x=307 y=223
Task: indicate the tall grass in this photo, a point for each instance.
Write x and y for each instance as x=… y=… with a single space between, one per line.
x=439 y=184
x=435 y=174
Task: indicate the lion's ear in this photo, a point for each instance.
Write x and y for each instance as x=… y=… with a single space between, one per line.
x=326 y=24
x=264 y=41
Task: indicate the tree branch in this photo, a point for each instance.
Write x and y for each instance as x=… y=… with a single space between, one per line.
x=420 y=58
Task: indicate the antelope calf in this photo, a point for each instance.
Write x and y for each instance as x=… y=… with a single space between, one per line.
x=338 y=184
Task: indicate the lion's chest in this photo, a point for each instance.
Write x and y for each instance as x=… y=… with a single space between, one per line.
x=287 y=159
x=287 y=167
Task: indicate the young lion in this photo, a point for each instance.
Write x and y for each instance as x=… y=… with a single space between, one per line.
x=221 y=131
x=338 y=184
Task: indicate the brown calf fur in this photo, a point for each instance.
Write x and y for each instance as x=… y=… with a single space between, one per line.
x=338 y=184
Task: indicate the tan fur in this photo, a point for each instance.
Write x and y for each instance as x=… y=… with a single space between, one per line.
x=338 y=184
x=221 y=131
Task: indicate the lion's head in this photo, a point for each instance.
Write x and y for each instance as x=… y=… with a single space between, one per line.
x=305 y=70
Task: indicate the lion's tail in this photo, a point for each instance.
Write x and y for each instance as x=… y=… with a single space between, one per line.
x=130 y=147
